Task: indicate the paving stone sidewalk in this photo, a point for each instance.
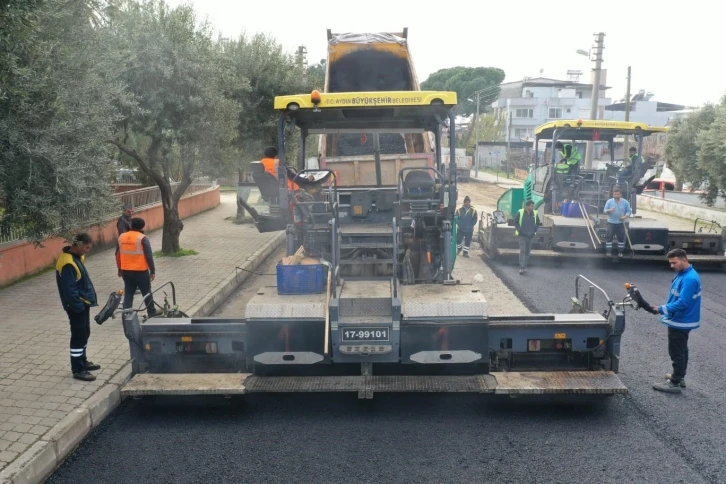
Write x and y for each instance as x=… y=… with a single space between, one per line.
x=36 y=388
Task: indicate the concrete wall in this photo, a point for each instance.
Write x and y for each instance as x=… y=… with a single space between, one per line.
x=20 y=259
x=679 y=209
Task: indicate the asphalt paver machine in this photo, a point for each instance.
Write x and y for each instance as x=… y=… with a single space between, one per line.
x=571 y=205
x=366 y=300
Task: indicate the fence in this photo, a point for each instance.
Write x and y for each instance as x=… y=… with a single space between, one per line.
x=138 y=199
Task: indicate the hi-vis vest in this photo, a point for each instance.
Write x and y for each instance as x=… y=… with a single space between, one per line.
x=521 y=217
x=270 y=165
x=131 y=252
x=575 y=155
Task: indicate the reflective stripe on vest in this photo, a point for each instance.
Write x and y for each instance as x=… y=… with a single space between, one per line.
x=131 y=252
x=521 y=217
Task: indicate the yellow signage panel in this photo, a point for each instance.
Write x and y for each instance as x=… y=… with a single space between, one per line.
x=366 y=99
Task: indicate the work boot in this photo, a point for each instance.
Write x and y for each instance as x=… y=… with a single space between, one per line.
x=458 y=251
x=608 y=255
x=683 y=381
x=620 y=254
x=521 y=271
x=84 y=375
x=91 y=366
x=466 y=254
x=667 y=387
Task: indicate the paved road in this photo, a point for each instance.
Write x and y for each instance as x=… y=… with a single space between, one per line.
x=644 y=437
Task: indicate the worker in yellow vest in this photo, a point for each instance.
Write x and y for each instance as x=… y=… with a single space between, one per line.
x=136 y=265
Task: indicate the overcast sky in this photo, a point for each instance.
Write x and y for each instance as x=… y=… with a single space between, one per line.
x=673 y=51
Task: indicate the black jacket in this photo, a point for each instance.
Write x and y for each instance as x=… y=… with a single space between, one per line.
x=467 y=218
x=74 y=284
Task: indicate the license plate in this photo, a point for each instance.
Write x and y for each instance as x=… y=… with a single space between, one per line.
x=365 y=334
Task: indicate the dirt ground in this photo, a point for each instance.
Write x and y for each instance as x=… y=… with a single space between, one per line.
x=483 y=195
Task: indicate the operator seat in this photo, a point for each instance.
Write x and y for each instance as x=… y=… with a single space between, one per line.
x=268 y=184
x=419 y=184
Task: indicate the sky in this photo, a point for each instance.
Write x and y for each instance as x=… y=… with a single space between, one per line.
x=673 y=53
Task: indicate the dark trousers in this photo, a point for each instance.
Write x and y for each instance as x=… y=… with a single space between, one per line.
x=525 y=247
x=80 y=331
x=616 y=230
x=464 y=237
x=142 y=281
x=678 y=351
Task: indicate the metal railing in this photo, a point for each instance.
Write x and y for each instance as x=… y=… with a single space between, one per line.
x=138 y=199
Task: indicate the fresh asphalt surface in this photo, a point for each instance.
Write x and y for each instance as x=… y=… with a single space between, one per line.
x=645 y=436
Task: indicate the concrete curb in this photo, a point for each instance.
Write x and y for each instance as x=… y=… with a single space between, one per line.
x=36 y=464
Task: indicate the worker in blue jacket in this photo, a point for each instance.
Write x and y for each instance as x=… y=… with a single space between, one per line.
x=467 y=219
x=681 y=314
x=77 y=296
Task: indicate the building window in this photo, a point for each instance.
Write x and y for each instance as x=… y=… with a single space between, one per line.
x=555 y=113
x=522 y=133
x=524 y=113
x=579 y=94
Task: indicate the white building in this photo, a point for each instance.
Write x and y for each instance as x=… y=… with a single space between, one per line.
x=644 y=109
x=532 y=102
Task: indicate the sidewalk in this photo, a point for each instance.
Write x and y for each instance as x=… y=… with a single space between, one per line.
x=44 y=413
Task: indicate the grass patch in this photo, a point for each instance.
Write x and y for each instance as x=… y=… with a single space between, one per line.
x=179 y=253
x=227 y=188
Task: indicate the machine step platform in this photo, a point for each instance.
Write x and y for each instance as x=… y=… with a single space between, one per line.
x=535 y=253
x=512 y=383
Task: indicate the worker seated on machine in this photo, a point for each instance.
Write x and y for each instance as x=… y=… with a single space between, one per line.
x=570 y=161
x=632 y=166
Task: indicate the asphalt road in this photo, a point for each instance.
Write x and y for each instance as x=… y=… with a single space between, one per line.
x=643 y=437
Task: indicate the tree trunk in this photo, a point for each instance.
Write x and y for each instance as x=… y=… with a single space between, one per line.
x=172 y=225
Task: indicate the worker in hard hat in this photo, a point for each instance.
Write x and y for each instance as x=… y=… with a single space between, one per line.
x=570 y=158
x=467 y=219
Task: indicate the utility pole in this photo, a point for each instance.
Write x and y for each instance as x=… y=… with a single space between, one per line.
x=627 y=114
x=509 y=141
x=476 y=133
x=595 y=93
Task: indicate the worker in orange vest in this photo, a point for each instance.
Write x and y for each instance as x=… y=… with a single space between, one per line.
x=270 y=162
x=136 y=265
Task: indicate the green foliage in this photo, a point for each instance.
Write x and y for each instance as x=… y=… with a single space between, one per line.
x=316 y=74
x=57 y=103
x=491 y=127
x=465 y=81
x=87 y=86
x=260 y=70
x=182 y=122
x=696 y=151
